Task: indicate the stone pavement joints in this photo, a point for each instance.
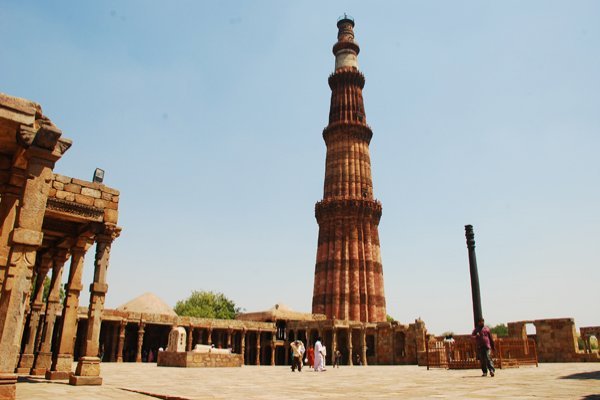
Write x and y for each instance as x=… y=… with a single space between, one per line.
x=125 y=381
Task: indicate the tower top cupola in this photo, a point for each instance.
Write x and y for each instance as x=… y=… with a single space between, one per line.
x=346 y=49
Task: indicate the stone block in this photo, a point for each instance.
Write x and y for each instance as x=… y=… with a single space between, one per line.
x=88 y=366
x=107 y=196
x=62 y=195
x=73 y=188
x=76 y=380
x=27 y=237
x=95 y=193
x=81 y=199
x=112 y=205
x=112 y=191
x=111 y=216
x=100 y=203
x=87 y=184
x=62 y=178
x=52 y=192
x=8 y=386
x=58 y=185
x=116 y=199
x=58 y=375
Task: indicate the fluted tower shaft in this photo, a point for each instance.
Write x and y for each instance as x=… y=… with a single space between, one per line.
x=348 y=272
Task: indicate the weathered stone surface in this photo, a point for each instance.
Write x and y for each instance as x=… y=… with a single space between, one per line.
x=95 y=193
x=63 y=195
x=8 y=386
x=58 y=185
x=72 y=188
x=177 y=340
x=27 y=237
x=81 y=199
x=62 y=179
x=111 y=216
x=192 y=359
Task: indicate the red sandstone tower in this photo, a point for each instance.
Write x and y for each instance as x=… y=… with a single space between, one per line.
x=348 y=273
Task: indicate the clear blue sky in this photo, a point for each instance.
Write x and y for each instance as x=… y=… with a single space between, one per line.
x=208 y=117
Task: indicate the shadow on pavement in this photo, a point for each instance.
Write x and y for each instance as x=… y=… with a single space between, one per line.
x=583 y=375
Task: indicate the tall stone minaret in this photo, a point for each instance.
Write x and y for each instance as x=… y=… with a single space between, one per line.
x=348 y=273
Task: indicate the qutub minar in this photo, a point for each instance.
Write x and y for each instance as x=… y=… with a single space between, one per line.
x=348 y=273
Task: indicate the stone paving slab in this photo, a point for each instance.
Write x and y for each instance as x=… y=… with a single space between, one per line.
x=125 y=381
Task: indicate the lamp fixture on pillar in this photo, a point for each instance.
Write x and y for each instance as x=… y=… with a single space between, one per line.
x=98 y=175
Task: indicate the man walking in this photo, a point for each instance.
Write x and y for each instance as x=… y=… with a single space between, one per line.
x=297 y=353
x=485 y=345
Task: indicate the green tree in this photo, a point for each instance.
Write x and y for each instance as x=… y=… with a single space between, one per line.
x=47 y=282
x=205 y=304
x=389 y=318
x=501 y=330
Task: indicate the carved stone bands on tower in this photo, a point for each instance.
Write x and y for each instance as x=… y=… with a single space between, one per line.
x=348 y=272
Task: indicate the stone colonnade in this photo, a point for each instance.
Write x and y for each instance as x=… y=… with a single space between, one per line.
x=133 y=338
x=51 y=328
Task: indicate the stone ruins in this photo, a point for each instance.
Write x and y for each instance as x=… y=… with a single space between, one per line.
x=48 y=220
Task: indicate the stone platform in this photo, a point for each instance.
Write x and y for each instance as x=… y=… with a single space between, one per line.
x=193 y=359
x=129 y=381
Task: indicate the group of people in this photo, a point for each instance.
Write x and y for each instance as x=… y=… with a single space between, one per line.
x=314 y=357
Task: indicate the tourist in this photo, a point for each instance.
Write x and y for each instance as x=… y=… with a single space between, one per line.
x=324 y=357
x=485 y=345
x=297 y=353
x=357 y=359
x=337 y=358
x=151 y=356
x=318 y=364
x=310 y=356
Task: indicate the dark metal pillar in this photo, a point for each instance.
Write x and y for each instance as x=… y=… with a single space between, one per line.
x=475 y=294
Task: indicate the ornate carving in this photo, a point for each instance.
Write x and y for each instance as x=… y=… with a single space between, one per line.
x=81 y=210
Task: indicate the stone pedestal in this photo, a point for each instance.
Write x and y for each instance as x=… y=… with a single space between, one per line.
x=25 y=364
x=8 y=386
x=43 y=363
x=61 y=368
x=87 y=372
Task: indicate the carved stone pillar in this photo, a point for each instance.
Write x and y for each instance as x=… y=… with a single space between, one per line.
x=273 y=352
x=243 y=344
x=88 y=367
x=258 y=347
x=140 y=341
x=350 y=353
x=209 y=341
x=114 y=343
x=21 y=221
x=23 y=241
x=43 y=359
x=229 y=333
x=190 y=338
x=363 y=341
x=11 y=198
x=37 y=303
x=122 y=327
x=333 y=342
x=63 y=360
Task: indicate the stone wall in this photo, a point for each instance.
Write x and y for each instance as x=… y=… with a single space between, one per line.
x=555 y=339
x=400 y=344
x=192 y=359
x=95 y=198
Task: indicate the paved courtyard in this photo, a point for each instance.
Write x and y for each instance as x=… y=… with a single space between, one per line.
x=147 y=381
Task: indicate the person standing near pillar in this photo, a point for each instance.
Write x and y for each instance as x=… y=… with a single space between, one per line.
x=485 y=346
x=318 y=365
